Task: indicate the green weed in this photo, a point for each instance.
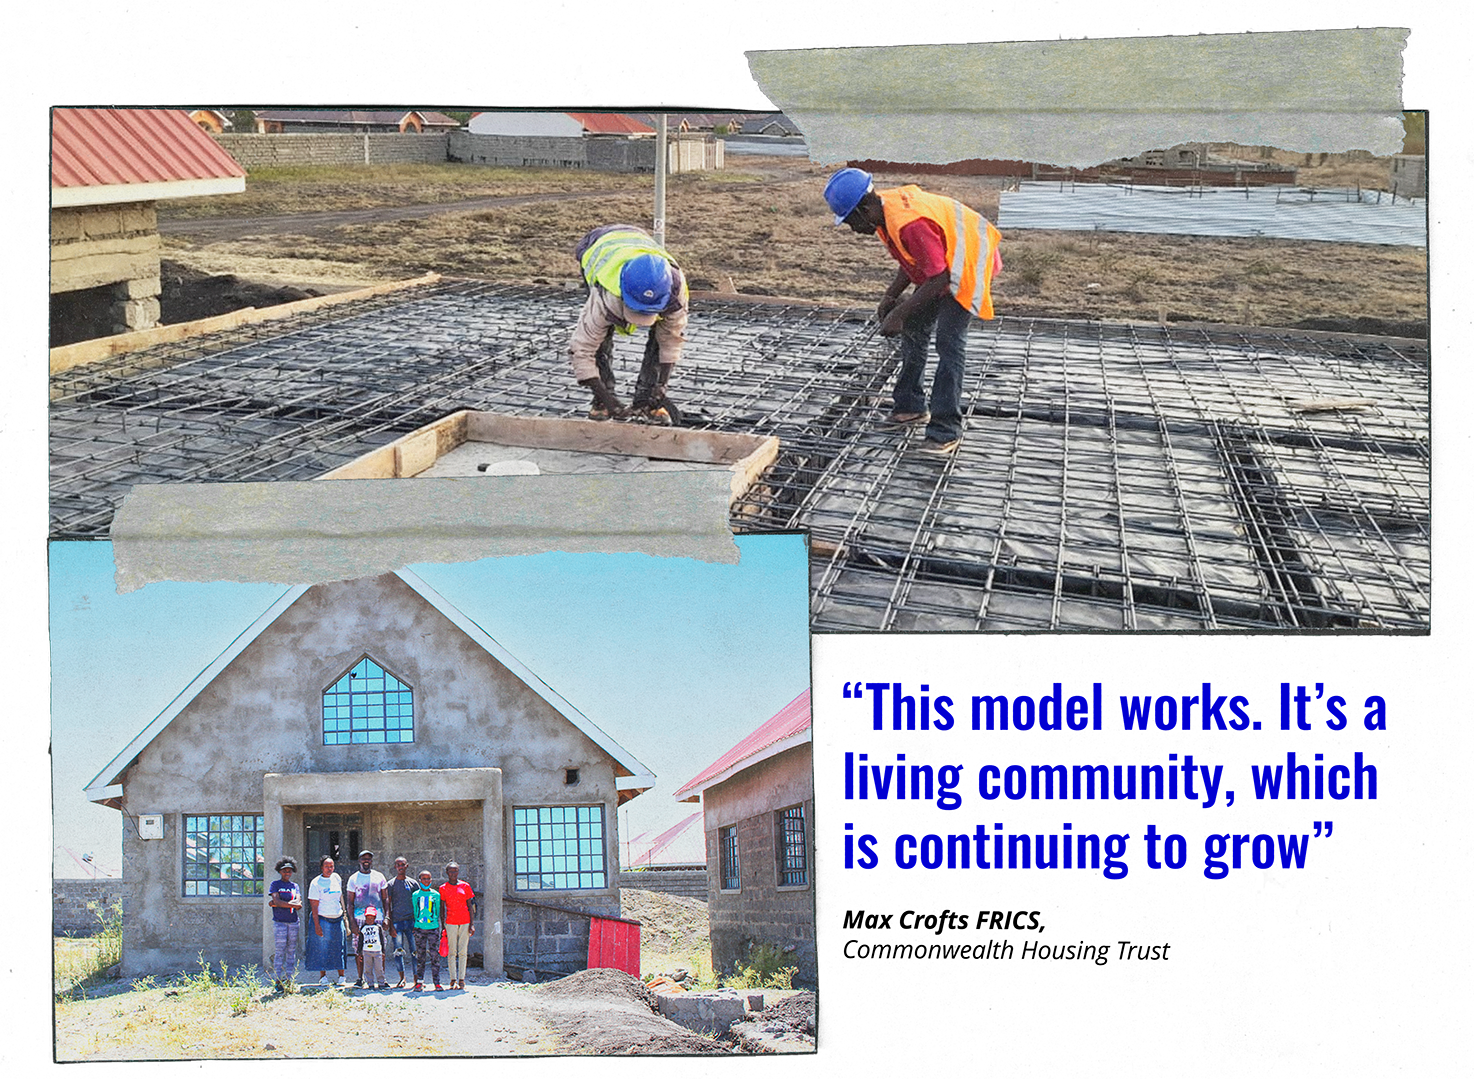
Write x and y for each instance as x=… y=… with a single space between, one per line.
x=764 y=969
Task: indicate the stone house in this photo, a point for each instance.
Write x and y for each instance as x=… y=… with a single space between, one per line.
x=109 y=167
x=758 y=807
x=366 y=714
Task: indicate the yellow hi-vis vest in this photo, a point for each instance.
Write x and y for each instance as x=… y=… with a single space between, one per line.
x=971 y=241
x=607 y=255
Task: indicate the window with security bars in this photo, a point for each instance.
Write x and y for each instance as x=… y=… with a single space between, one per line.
x=368 y=705
x=225 y=854
x=727 y=846
x=558 y=848
x=792 y=844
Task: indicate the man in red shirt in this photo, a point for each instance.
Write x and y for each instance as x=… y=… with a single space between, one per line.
x=950 y=254
x=459 y=901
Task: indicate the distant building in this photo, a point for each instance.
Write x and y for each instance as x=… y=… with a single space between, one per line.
x=773 y=123
x=108 y=169
x=384 y=121
x=758 y=807
x=558 y=124
x=212 y=120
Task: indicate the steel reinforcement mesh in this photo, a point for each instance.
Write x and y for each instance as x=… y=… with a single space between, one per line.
x=1110 y=477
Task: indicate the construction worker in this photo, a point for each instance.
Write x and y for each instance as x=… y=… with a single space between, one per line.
x=632 y=282
x=950 y=253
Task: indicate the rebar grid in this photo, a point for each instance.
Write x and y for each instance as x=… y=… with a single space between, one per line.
x=1110 y=477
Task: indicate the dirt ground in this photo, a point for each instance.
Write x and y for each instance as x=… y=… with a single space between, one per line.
x=602 y=1012
x=761 y=228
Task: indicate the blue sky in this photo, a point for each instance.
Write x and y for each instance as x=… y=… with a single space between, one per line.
x=676 y=659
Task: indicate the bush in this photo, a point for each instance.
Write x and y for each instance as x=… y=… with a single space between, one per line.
x=764 y=969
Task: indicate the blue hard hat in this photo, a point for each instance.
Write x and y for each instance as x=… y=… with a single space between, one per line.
x=844 y=191
x=644 y=283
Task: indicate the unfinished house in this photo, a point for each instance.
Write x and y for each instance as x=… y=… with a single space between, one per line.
x=108 y=169
x=367 y=714
x=757 y=802
x=352 y=122
x=1111 y=477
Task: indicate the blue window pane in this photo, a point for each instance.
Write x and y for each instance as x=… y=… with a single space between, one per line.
x=367 y=702
x=558 y=847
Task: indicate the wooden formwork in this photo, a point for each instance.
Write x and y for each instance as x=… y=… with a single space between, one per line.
x=410 y=455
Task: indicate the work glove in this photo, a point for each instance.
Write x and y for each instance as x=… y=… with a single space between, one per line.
x=604 y=396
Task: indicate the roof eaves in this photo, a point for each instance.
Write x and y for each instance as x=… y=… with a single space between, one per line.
x=697 y=788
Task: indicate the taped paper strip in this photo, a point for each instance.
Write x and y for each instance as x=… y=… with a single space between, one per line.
x=309 y=532
x=1080 y=103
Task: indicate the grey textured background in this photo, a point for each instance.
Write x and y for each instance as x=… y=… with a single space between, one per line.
x=1355 y=966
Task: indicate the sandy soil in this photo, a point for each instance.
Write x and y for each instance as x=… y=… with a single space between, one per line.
x=593 y=1012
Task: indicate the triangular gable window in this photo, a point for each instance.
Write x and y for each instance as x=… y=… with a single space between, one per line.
x=367 y=705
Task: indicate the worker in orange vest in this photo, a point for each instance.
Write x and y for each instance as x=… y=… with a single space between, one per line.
x=950 y=253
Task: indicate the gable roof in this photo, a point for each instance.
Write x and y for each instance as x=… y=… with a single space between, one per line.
x=134 y=155
x=610 y=123
x=631 y=777
x=792 y=725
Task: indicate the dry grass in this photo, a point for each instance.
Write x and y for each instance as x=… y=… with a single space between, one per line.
x=766 y=231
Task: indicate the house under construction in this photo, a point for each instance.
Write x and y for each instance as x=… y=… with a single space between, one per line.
x=1111 y=476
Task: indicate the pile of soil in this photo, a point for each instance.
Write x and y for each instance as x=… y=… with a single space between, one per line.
x=189 y=294
x=667 y=922
x=795 y=1013
x=601 y=984
x=787 y=1026
x=608 y=1012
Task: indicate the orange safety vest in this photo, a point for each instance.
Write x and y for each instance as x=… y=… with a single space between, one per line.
x=972 y=241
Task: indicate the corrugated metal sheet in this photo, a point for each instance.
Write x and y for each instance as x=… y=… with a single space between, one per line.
x=1290 y=213
x=610 y=123
x=100 y=147
x=663 y=840
x=792 y=718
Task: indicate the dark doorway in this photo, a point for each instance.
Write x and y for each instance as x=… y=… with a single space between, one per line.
x=335 y=835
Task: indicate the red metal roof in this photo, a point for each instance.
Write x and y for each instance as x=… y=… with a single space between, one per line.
x=610 y=123
x=105 y=147
x=663 y=840
x=793 y=718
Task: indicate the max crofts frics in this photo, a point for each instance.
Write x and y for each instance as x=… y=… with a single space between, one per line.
x=911 y=922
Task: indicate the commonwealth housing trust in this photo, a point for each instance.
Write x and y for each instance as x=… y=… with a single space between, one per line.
x=913 y=922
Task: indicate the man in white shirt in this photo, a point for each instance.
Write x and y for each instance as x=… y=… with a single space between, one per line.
x=363 y=889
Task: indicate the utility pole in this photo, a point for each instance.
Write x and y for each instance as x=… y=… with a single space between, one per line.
x=660 y=156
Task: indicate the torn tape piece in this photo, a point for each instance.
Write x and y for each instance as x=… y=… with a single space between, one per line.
x=1081 y=103
x=308 y=532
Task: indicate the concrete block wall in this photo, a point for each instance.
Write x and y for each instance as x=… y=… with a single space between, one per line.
x=114 y=246
x=69 y=898
x=621 y=155
x=519 y=151
x=325 y=148
x=760 y=911
x=690 y=883
x=551 y=940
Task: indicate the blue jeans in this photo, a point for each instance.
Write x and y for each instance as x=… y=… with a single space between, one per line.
x=284 y=959
x=948 y=320
x=404 y=937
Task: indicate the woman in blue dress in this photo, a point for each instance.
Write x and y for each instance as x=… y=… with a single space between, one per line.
x=325 y=942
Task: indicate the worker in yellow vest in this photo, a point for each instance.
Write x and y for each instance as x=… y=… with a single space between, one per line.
x=633 y=282
x=950 y=253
